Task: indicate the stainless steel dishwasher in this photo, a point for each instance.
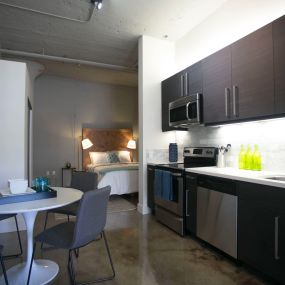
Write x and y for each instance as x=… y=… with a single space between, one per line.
x=217 y=213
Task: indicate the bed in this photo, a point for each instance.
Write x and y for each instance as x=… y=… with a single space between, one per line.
x=111 y=160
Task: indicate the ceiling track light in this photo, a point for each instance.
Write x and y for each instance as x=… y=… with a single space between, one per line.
x=98 y=4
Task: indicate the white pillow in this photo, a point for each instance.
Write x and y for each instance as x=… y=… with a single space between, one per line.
x=124 y=156
x=98 y=157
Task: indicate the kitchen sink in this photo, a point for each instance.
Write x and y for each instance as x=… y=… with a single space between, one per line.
x=276 y=178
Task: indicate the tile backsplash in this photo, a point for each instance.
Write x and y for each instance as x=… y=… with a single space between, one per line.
x=268 y=135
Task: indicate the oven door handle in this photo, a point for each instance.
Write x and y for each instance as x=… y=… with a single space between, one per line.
x=176 y=174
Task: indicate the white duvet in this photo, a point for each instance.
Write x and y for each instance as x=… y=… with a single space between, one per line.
x=121 y=179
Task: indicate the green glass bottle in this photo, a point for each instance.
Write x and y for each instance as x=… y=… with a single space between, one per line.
x=241 y=158
x=248 y=159
x=256 y=159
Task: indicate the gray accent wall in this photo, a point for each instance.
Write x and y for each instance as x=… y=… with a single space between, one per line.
x=63 y=106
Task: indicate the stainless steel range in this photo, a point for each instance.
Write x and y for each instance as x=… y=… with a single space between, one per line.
x=169 y=186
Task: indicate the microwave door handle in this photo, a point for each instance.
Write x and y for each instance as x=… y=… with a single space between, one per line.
x=186 y=84
x=187 y=112
x=198 y=111
x=181 y=85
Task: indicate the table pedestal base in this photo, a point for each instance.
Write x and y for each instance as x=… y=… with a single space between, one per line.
x=43 y=272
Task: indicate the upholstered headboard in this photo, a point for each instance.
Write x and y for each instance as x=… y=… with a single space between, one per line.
x=105 y=140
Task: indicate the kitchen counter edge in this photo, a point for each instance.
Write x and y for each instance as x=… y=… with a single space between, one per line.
x=257 y=177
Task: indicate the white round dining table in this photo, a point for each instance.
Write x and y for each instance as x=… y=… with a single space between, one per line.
x=43 y=270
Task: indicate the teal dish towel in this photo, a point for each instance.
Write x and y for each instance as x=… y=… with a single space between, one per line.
x=158 y=182
x=167 y=190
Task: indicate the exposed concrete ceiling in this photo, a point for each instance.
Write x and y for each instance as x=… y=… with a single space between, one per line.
x=109 y=37
x=91 y=74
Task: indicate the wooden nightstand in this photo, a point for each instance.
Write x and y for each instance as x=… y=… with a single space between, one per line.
x=66 y=174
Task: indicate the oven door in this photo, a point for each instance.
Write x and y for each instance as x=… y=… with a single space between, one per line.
x=184 y=112
x=173 y=202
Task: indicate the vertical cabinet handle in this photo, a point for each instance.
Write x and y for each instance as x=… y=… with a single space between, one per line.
x=182 y=85
x=227 y=94
x=235 y=97
x=276 y=238
x=187 y=196
x=186 y=84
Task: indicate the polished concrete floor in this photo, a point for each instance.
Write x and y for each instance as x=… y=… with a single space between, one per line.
x=144 y=253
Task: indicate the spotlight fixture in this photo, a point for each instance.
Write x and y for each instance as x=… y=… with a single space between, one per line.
x=98 y=4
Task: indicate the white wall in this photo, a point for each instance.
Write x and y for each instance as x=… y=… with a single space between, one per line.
x=12 y=123
x=156 y=62
x=234 y=20
x=13 y=102
x=63 y=106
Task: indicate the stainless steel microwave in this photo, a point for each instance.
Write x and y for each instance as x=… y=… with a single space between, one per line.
x=186 y=111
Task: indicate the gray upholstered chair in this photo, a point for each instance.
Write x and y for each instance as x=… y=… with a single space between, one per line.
x=90 y=223
x=3 y=265
x=8 y=216
x=80 y=180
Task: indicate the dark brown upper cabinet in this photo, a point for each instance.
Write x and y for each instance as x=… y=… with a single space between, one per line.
x=239 y=80
x=252 y=75
x=216 y=86
x=279 y=64
x=242 y=82
x=171 y=89
x=184 y=83
x=194 y=76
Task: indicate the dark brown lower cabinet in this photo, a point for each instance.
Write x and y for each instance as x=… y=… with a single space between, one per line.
x=261 y=229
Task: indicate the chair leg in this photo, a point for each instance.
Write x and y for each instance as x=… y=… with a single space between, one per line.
x=4 y=270
x=45 y=226
x=19 y=241
x=72 y=272
x=110 y=257
x=76 y=252
x=71 y=268
x=31 y=264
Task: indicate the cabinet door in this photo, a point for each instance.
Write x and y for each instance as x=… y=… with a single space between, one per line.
x=261 y=229
x=279 y=64
x=216 y=86
x=194 y=79
x=150 y=187
x=252 y=75
x=171 y=89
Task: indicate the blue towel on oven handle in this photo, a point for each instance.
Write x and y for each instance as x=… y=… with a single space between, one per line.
x=158 y=182
x=167 y=189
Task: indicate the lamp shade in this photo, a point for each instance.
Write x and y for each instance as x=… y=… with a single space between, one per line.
x=86 y=143
x=132 y=144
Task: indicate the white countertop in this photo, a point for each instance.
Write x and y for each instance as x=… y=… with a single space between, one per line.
x=241 y=175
